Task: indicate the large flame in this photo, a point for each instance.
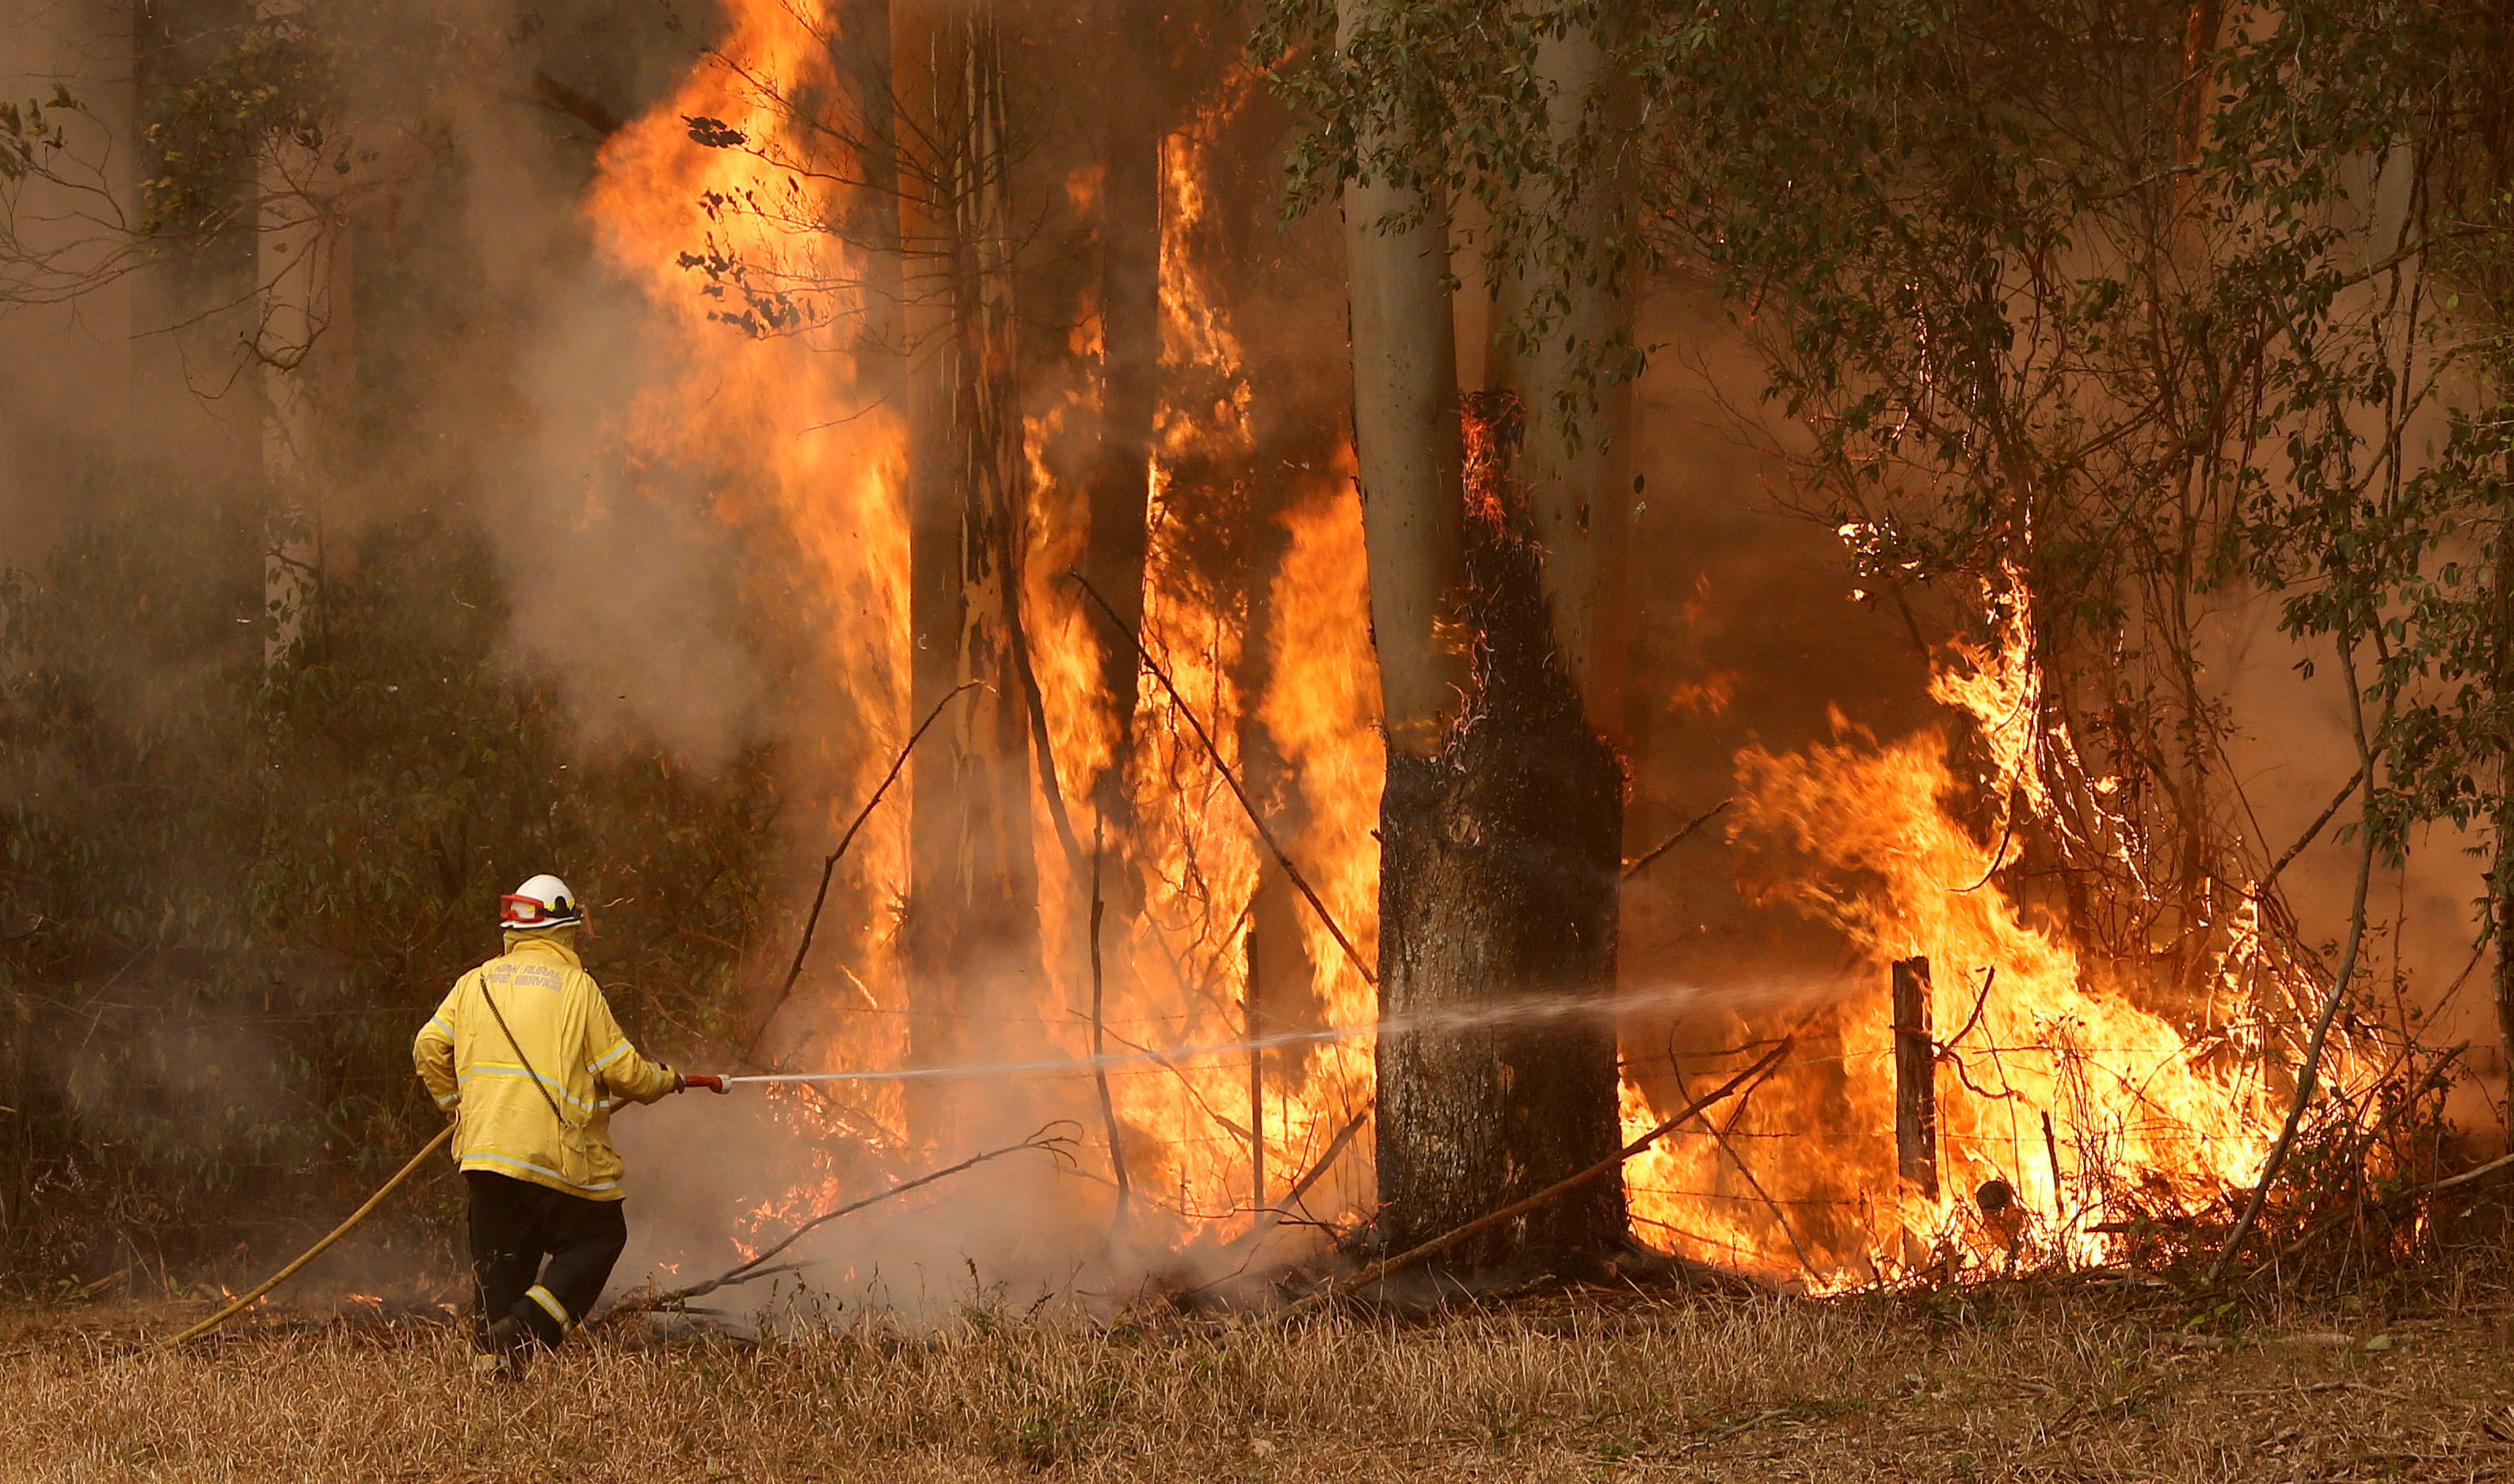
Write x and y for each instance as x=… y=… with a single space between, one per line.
x=2061 y=1102
x=762 y=408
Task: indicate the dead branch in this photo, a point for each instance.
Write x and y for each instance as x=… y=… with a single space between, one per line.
x=1275 y=1216
x=1678 y=838
x=2311 y=830
x=1034 y=705
x=559 y=97
x=1727 y=1146
x=1099 y=1067
x=1293 y=872
x=1425 y=1252
x=830 y=866
x=2339 y=978
x=1057 y=1146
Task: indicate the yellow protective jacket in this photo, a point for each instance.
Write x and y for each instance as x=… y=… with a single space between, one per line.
x=563 y=1027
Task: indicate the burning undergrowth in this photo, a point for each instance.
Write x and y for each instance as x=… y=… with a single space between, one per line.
x=1189 y=859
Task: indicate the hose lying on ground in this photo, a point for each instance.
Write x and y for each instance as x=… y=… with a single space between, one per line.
x=311 y=1253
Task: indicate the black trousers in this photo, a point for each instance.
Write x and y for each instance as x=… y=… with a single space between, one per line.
x=516 y=1225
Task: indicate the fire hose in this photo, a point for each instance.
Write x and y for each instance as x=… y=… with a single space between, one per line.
x=242 y=1301
x=238 y=1306
x=718 y=1083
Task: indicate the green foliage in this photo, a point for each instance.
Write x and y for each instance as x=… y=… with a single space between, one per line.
x=1451 y=100
x=227 y=906
x=2133 y=303
x=28 y=137
x=275 y=86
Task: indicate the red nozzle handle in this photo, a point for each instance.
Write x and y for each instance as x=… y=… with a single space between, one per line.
x=710 y=1080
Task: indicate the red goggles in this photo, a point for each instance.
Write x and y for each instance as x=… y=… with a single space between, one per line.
x=531 y=913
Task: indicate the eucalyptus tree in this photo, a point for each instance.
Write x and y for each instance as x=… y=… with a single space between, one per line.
x=2092 y=316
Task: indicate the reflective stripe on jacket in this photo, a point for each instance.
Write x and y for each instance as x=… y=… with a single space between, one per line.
x=568 y=1038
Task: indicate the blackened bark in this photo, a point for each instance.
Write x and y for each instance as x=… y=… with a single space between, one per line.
x=1130 y=353
x=2500 y=875
x=1499 y=859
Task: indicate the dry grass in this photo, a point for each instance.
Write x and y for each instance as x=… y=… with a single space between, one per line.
x=2041 y=1385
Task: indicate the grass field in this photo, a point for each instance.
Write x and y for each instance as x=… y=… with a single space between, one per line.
x=2052 y=1380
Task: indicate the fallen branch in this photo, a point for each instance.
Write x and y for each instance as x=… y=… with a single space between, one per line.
x=1293 y=872
x=1678 y=838
x=1056 y=1144
x=2452 y=1181
x=1720 y=1136
x=830 y=866
x=1415 y=1256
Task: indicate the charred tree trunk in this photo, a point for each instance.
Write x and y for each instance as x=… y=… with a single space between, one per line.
x=1502 y=817
x=1130 y=354
x=2500 y=875
x=1499 y=859
x=972 y=931
x=871 y=224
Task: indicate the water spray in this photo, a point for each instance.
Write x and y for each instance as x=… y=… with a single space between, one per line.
x=1533 y=1011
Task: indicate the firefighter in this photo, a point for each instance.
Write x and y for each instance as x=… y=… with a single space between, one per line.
x=525 y=1055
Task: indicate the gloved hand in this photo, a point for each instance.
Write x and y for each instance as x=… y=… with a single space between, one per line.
x=710 y=1080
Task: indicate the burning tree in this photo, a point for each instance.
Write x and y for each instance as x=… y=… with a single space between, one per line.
x=1501 y=820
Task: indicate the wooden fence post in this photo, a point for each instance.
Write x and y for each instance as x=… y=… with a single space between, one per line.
x=1916 y=1098
x=1251 y=1016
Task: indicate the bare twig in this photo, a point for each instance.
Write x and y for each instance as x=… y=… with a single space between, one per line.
x=2306 y=1074
x=1720 y=1136
x=2311 y=831
x=2007 y=832
x=1058 y=1145
x=1678 y=838
x=1275 y=1215
x=1293 y=872
x=2435 y=1078
x=1100 y=1069
x=1425 y=1252
x=830 y=866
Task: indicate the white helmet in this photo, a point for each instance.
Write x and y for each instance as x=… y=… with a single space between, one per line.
x=545 y=902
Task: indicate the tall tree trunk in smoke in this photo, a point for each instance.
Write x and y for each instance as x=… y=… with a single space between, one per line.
x=1133 y=113
x=1558 y=331
x=1500 y=815
x=871 y=224
x=2500 y=875
x=972 y=931
x=293 y=253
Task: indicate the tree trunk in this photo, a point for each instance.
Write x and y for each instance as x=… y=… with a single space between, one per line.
x=973 y=939
x=1501 y=819
x=1130 y=354
x=1500 y=857
x=293 y=265
x=2500 y=875
x=1560 y=357
x=864 y=67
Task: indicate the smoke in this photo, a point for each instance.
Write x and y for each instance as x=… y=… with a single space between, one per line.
x=496 y=365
